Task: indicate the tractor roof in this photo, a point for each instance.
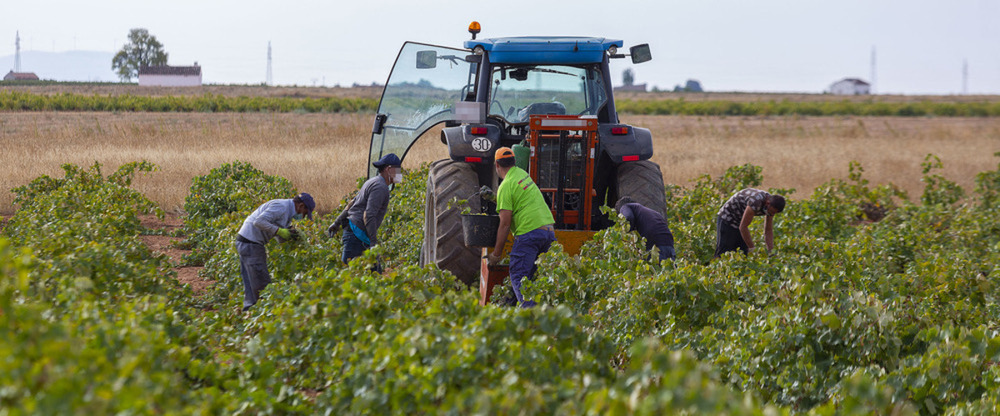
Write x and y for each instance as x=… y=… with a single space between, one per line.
x=545 y=49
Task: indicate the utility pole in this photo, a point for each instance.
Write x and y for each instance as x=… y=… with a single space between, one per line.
x=873 y=75
x=269 y=80
x=965 y=77
x=17 y=51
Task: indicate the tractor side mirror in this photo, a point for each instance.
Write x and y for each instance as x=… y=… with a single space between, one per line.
x=640 y=53
x=520 y=74
x=379 y=123
x=426 y=59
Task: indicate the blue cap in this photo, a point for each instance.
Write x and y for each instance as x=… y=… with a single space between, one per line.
x=388 y=160
x=308 y=201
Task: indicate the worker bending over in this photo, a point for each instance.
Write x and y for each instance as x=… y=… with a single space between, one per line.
x=733 y=220
x=650 y=224
x=523 y=210
x=362 y=218
x=269 y=220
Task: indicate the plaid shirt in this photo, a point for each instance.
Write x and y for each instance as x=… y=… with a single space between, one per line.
x=732 y=211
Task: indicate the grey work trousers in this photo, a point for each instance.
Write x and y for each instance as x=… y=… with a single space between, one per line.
x=253 y=270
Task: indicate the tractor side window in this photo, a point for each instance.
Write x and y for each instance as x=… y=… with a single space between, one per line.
x=518 y=91
x=596 y=91
x=425 y=83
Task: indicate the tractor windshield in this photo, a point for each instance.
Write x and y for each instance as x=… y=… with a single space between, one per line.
x=518 y=91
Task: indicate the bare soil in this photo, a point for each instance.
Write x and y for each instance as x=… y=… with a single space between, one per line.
x=165 y=244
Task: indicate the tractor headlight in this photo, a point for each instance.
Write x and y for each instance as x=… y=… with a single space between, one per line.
x=478 y=50
x=613 y=50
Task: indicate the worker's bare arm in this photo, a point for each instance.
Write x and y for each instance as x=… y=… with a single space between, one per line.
x=769 y=232
x=502 y=231
x=745 y=227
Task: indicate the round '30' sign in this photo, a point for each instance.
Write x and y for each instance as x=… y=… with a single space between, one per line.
x=481 y=144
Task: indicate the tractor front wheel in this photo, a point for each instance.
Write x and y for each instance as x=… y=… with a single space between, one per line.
x=444 y=242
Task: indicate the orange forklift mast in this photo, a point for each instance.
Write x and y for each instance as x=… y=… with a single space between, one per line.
x=562 y=164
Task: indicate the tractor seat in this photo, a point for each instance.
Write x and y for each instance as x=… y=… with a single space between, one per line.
x=553 y=108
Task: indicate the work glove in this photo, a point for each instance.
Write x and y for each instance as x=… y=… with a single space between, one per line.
x=492 y=260
x=284 y=233
x=333 y=230
x=487 y=193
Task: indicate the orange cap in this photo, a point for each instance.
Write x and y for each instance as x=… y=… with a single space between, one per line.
x=503 y=153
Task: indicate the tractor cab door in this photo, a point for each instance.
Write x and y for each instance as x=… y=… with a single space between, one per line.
x=425 y=83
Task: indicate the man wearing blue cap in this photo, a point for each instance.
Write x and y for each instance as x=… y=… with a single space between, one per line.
x=361 y=219
x=269 y=220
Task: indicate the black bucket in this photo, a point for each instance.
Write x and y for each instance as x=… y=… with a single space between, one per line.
x=480 y=230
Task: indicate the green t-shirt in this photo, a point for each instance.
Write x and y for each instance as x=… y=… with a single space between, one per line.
x=519 y=195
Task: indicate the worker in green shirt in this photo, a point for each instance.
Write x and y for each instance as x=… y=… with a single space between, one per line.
x=523 y=210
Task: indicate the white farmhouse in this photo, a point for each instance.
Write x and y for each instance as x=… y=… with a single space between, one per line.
x=20 y=76
x=850 y=86
x=170 y=76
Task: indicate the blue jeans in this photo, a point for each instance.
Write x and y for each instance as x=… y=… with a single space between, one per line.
x=354 y=247
x=666 y=252
x=253 y=270
x=523 y=254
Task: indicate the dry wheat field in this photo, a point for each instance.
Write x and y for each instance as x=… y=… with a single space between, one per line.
x=324 y=154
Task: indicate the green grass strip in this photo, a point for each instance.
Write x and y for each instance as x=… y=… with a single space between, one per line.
x=809 y=108
x=21 y=101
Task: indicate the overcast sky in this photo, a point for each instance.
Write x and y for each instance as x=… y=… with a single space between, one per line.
x=727 y=45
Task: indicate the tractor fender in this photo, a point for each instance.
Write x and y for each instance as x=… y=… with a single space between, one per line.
x=635 y=145
x=462 y=144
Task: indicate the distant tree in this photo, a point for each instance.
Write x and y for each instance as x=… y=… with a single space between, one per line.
x=693 y=86
x=690 y=86
x=141 y=50
x=628 y=77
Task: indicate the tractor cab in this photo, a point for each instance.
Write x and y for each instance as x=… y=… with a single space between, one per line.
x=549 y=98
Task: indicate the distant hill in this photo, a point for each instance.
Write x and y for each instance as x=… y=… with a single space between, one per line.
x=64 y=66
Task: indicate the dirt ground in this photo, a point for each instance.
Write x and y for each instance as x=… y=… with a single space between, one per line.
x=165 y=244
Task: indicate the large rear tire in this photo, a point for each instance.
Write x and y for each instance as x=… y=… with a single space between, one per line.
x=643 y=181
x=444 y=242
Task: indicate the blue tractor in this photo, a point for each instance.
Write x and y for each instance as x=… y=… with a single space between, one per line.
x=551 y=96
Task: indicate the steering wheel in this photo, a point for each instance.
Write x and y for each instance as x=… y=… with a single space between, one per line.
x=497 y=103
